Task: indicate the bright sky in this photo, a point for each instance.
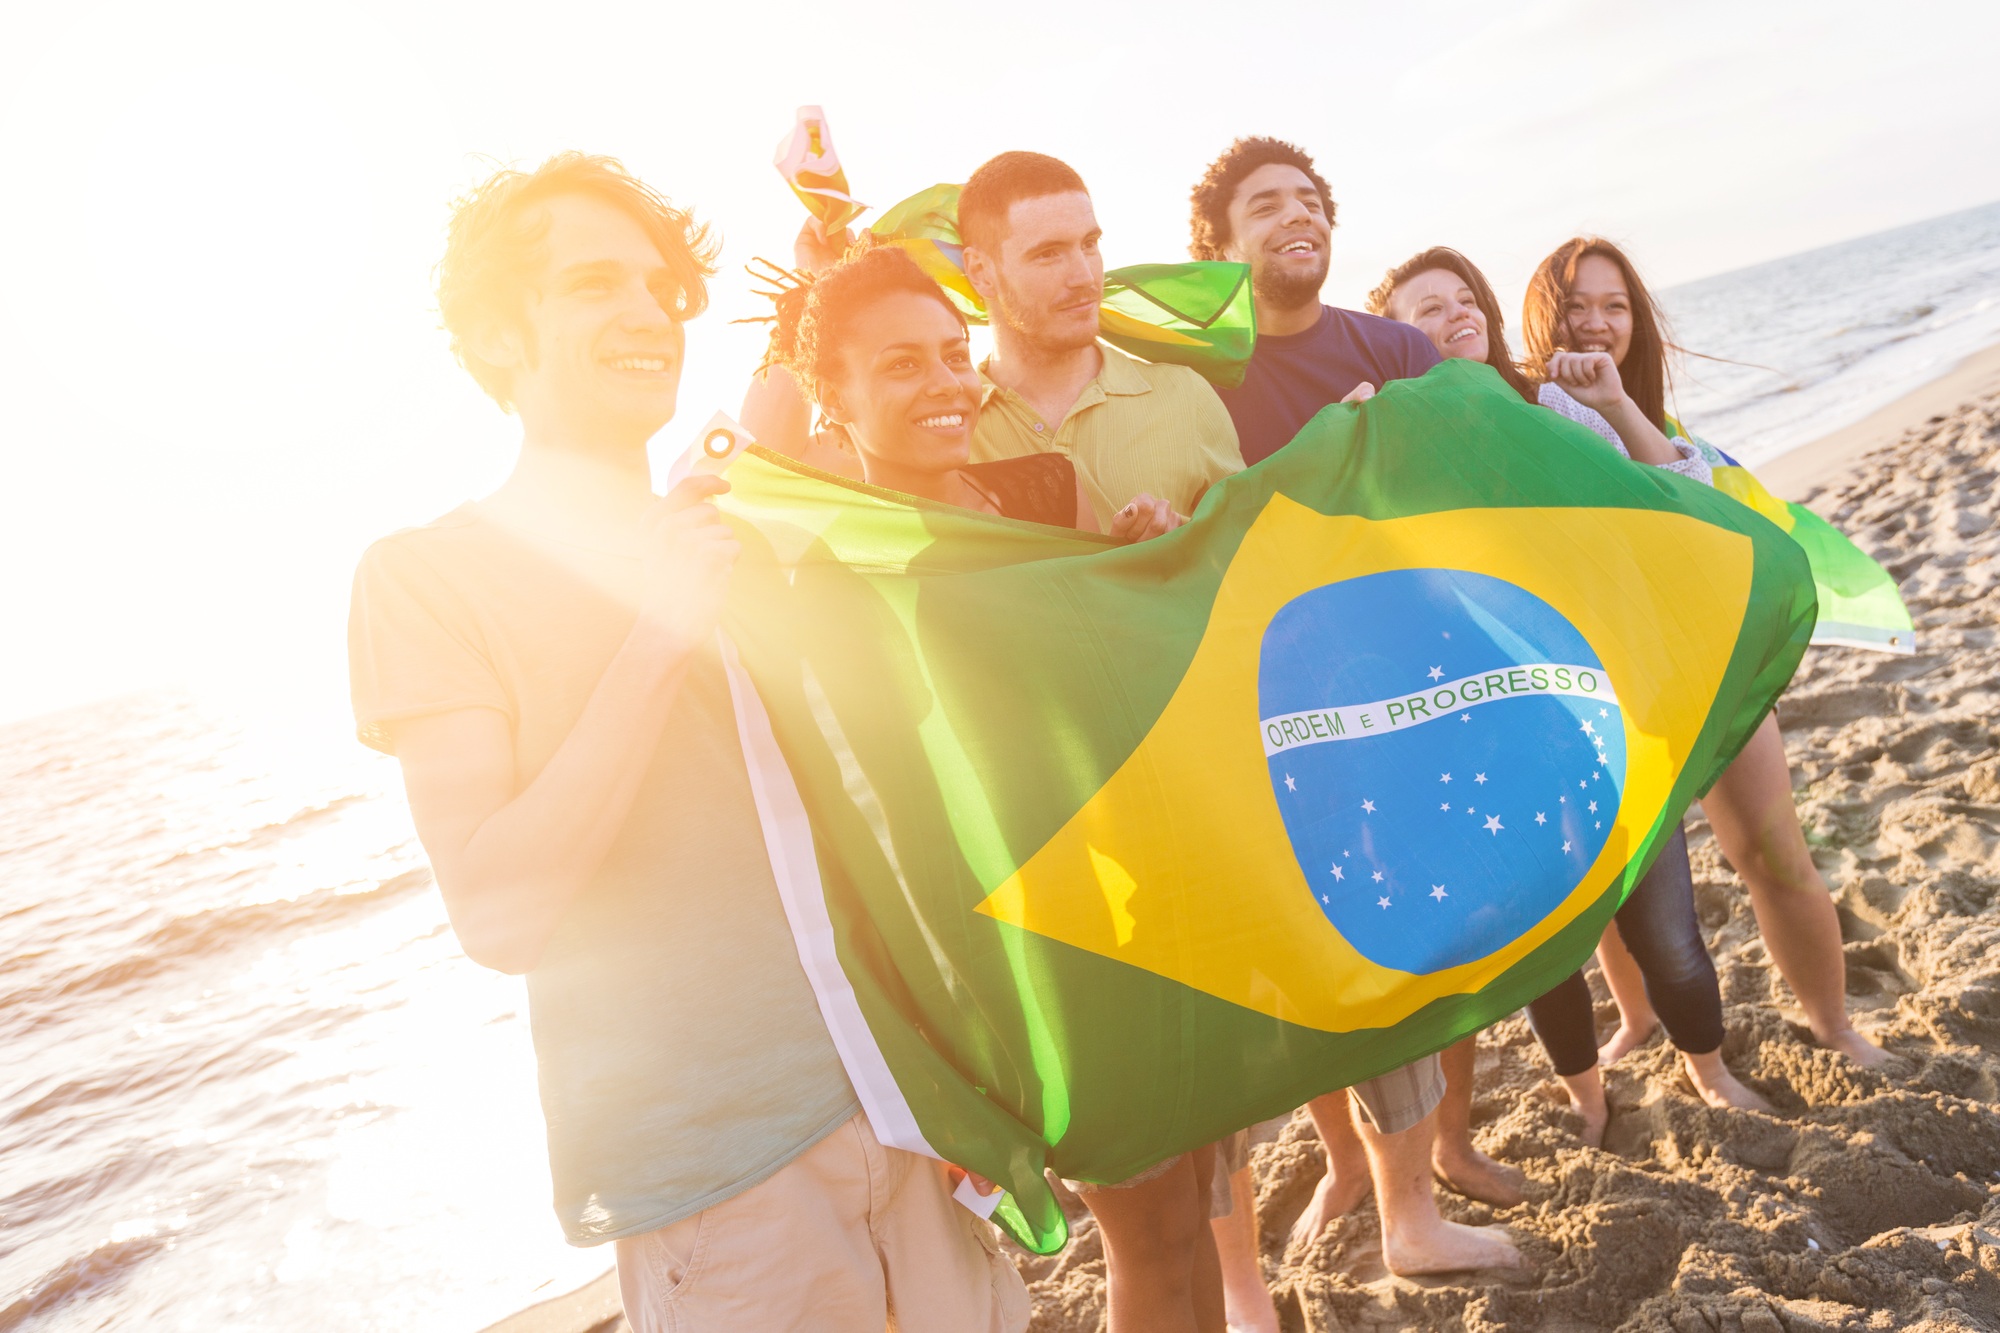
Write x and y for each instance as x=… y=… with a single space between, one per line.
x=220 y=373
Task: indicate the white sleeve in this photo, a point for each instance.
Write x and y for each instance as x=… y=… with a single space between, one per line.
x=1557 y=401
x=1690 y=464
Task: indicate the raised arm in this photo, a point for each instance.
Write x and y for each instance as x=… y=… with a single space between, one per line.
x=1592 y=379
x=510 y=858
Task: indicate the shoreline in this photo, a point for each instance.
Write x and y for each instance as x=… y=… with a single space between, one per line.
x=1819 y=464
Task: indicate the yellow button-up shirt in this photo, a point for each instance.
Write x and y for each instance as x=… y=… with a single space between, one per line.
x=1139 y=426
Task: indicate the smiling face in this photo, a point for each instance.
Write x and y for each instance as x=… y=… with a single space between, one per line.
x=1445 y=307
x=1045 y=278
x=907 y=392
x=1598 y=316
x=1279 y=227
x=597 y=357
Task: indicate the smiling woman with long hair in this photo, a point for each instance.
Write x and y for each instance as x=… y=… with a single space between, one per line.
x=1587 y=298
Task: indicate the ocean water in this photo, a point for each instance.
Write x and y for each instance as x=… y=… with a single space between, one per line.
x=1825 y=337
x=251 y=1083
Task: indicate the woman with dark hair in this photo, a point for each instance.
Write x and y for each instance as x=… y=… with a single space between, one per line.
x=881 y=350
x=1444 y=294
x=884 y=353
x=1587 y=298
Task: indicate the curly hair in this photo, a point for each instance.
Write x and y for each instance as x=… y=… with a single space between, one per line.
x=495 y=247
x=1208 y=220
x=1545 y=323
x=814 y=315
x=1451 y=261
x=991 y=192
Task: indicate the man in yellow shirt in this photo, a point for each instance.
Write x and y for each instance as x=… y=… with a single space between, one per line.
x=1131 y=427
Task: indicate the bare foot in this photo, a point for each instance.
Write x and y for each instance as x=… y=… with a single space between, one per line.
x=1586 y=1098
x=1623 y=1042
x=1719 y=1087
x=1856 y=1047
x=1448 y=1247
x=1336 y=1196
x=1472 y=1173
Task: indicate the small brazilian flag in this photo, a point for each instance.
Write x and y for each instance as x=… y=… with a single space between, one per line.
x=1095 y=854
x=1859 y=603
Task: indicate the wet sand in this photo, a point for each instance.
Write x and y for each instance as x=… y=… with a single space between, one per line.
x=1871 y=1200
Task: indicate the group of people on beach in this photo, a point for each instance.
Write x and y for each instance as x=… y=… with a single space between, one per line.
x=543 y=664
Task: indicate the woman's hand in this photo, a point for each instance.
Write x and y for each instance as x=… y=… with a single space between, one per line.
x=1147 y=516
x=814 y=251
x=1589 y=377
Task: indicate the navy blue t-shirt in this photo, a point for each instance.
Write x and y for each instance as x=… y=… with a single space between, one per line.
x=1290 y=378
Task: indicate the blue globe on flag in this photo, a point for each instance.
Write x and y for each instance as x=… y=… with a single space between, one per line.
x=1447 y=754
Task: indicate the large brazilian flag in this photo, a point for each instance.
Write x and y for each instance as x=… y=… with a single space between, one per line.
x=1095 y=854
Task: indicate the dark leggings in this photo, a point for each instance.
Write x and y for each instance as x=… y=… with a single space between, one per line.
x=1659 y=927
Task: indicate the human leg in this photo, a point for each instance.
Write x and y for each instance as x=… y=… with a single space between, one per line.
x=1152 y=1232
x=1658 y=925
x=1346 y=1182
x=1456 y=1162
x=1415 y=1238
x=1246 y=1300
x=1636 y=1020
x=1751 y=811
x=1566 y=1026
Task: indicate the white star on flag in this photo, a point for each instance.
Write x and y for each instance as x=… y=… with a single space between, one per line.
x=1346 y=853
x=1493 y=825
x=1598 y=824
x=1368 y=807
x=1470 y=811
x=1541 y=818
x=1565 y=846
x=1378 y=877
x=1593 y=807
x=1444 y=777
x=1604 y=712
x=1290 y=785
x=1465 y=717
x=1445 y=806
x=1479 y=778
x=1581 y=783
x=1562 y=800
x=1382 y=903
x=1437 y=892
x=1588 y=730
x=1338 y=873
x=1436 y=673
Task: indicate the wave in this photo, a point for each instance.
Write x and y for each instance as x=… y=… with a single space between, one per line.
x=82 y=1277
x=203 y=935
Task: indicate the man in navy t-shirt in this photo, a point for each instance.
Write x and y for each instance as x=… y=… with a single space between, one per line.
x=1262 y=204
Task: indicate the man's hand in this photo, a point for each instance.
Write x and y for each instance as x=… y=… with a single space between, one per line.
x=1147 y=516
x=1589 y=377
x=687 y=552
x=814 y=251
x=1360 y=393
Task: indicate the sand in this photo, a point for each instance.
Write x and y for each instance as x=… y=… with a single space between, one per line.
x=1871 y=1200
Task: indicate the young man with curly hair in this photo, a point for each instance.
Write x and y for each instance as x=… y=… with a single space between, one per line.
x=544 y=664
x=1264 y=204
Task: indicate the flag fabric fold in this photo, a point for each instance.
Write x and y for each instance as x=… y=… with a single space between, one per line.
x=1859 y=603
x=1094 y=854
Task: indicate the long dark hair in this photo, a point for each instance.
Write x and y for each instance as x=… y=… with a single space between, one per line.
x=1545 y=323
x=1451 y=261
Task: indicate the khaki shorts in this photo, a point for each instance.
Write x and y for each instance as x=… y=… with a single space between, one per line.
x=1393 y=1102
x=841 y=1239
